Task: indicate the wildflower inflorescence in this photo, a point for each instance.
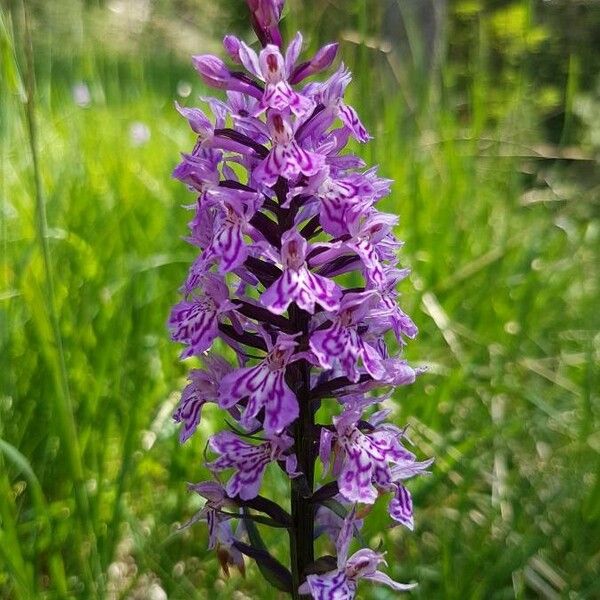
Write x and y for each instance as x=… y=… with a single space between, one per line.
x=296 y=275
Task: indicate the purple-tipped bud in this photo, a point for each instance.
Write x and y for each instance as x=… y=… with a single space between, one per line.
x=214 y=72
x=232 y=47
x=319 y=62
x=265 y=15
x=197 y=120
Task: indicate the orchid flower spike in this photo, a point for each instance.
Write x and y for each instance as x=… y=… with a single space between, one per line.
x=291 y=303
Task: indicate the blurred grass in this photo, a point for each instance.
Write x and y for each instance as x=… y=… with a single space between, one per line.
x=497 y=189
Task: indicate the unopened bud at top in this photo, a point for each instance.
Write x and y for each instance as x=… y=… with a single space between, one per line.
x=319 y=62
x=265 y=15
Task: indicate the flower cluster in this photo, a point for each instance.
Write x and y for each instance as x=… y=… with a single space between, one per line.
x=284 y=220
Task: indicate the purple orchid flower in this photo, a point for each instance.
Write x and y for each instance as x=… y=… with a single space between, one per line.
x=214 y=72
x=201 y=124
x=199 y=171
x=298 y=284
x=241 y=108
x=265 y=387
x=265 y=15
x=233 y=211
x=342 y=345
x=330 y=523
x=342 y=583
x=196 y=322
x=322 y=60
x=330 y=94
x=401 y=505
x=248 y=460
x=274 y=70
x=367 y=229
x=286 y=159
x=389 y=312
x=203 y=388
x=220 y=533
x=365 y=456
x=339 y=197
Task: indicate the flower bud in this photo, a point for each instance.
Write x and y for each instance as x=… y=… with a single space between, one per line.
x=265 y=15
x=214 y=72
x=232 y=45
x=319 y=62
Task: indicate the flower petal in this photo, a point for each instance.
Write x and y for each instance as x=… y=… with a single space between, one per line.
x=249 y=59
x=355 y=479
x=401 y=507
x=351 y=120
x=379 y=577
x=195 y=324
x=330 y=586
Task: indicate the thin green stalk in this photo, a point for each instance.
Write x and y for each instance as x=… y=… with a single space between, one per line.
x=55 y=561
x=63 y=403
x=11 y=552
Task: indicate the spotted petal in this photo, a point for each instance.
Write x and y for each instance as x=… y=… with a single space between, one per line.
x=264 y=388
x=401 y=507
x=280 y=96
x=380 y=577
x=195 y=324
x=189 y=411
x=289 y=161
x=343 y=345
x=305 y=289
x=248 y=460
x=329 y=586
x=355 y=480
x=351 y=120
x=228 y=244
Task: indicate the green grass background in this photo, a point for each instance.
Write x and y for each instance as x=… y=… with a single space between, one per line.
x=493 y=150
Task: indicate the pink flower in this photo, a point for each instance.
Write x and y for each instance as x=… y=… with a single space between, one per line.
x=203 y=388
x=294 y=278
x=365 y=454
x=274 y=70
x=287 y=158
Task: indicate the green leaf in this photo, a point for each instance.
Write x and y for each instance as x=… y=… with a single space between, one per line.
x=271 y=569
x=336 y=507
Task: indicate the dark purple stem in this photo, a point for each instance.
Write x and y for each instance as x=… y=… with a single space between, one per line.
x=324 y=390
x=303 y=510
x=265 y=272
x=268 y=507
x=262 y=314
x=325 y=492
x=236 y=136
x=248 y=339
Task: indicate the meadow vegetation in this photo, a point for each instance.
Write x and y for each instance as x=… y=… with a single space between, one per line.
x=492 y=139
